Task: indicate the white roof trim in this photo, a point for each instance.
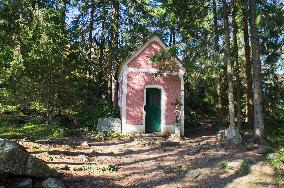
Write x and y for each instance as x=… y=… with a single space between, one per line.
x=137 y=52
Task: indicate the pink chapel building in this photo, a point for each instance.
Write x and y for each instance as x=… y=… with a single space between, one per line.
x=147 y=102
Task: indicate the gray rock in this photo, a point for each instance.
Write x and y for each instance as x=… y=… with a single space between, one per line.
x=53 y=183
x=109 y=124
x=85 y=144
x=20 y=182
x=14 y=159
x=193 y=174
x=262 y=149
x=231 y=135
x=250 y=146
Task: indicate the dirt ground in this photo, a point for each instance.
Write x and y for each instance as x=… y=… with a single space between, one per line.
x=151 y=161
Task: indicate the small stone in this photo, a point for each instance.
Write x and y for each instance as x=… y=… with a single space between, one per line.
x=83 y=158
x=53 y=183
x=193 y=174
x=221 y=149
x=85 y=144
x=250 y=146
x=262 y=149
x=250 y=160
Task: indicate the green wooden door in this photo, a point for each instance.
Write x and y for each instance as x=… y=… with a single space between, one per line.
x=153 y=110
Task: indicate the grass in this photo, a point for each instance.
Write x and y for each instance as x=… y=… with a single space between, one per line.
x=32 y=131
x=107 y=135
x=91 y=168
x=35 y=131
x=224 y=166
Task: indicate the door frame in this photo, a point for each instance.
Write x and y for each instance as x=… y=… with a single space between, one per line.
x=163 y=101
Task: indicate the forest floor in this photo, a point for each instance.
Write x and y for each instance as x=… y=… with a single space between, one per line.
x=149 y=160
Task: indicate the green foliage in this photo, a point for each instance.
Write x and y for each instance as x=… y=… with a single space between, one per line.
x=88 y=115
x=32 y=131
x=274 y=132
x=182 y=169
x=91 y=168
x=224 y=165
x=277 y=159
x=106 y=135
x=55 y=67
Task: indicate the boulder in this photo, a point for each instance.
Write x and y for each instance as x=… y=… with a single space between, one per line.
x=109 y=124
x=14 y=159
x=53 y=183
x=231 y=135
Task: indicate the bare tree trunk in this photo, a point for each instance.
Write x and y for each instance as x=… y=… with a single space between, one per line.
x=114 y=59
x=220 y=105
x=89 y=91
x=229 y=67
x=219 y=81
x=100 y=86
x=48 y=108
x=249 y=105
x=257 y=99
x=91 y=29
x=236 y=58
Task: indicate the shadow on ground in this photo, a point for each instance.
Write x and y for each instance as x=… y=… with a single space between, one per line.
x=146 y=161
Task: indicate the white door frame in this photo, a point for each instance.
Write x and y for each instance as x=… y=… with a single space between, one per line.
x=163 y=102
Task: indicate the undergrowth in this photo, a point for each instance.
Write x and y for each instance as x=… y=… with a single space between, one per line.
x=91 y=168
x=277 y=161
x=33 y=131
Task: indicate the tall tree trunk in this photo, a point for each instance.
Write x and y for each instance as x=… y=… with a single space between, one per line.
x=91 y=29
x=114 y=59
x=237 y=65
x=89 y=90
x=249 y=105
x=101 y=86
x=220 y=109
x=219 y=81
x=229 y=67
x=257 y=92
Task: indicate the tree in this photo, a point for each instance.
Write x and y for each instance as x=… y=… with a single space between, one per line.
x=219 y=73
x=248 y=71
x=257 y=91
x=237 y=65
x=229 y=66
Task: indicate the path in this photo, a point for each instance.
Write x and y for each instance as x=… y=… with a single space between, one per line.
x=149 y=161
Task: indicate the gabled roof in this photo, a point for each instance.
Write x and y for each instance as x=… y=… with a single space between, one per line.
x=137 y=52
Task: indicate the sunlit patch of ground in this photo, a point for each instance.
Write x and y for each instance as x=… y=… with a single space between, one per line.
x=150 y=161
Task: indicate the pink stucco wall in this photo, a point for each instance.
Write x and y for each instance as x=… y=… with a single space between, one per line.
x=142 y=60
x=136 y=83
